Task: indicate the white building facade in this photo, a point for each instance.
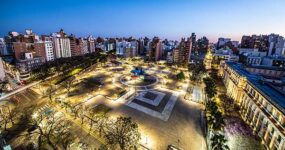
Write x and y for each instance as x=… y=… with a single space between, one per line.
x=61 y=47
x=49 y=50
x=3 y=48
x=2 y=71
x=261 y=107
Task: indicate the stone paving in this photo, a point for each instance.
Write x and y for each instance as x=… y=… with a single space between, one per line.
x=152 y=98
x=160 y=107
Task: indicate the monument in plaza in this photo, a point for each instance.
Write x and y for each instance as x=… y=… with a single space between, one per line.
x=138 y=71
x=138 y=77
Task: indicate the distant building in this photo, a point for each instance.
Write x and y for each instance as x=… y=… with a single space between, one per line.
x=222 y=42
x=127 y=49
x=227 y=43
x=110 y=44
x=225 y=55
x=91 y=44
x=274 y=62
x=251 y=56
x=49 y=49
x=28 y=64
x=141 y=47
x=3 y=48
x=182 y=54
x=2 y=71
x=169 y=58
x=83 y=46
x=193 y=40
x=74 y=46
x=158 y=51
x=202 y=44
x=266 y=71
x=260 y=42
x=61 y=44
x=28 y=49
x=276 y=45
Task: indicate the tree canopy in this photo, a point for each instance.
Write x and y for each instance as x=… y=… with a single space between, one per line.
x=210 y=89
x=180 y=75
x=123 y=132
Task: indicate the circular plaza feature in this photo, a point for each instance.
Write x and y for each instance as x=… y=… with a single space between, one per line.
x=144 y=80
x=138 y=78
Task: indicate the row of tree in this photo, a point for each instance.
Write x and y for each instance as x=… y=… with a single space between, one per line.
x=122 y=131
x=197 y=72
x=210 y=87
x=215 y=120
x=65 y=65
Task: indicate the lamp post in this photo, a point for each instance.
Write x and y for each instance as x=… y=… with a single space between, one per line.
x=146 y=140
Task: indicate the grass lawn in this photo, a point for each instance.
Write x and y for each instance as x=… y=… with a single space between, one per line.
x=75 y=71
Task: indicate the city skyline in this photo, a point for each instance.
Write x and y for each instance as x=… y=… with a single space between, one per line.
x=166 y=19
x=142 y=74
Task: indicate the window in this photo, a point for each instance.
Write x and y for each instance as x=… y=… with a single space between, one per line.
x=272 y=131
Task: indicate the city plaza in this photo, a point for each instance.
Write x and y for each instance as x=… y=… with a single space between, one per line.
x=157 y=103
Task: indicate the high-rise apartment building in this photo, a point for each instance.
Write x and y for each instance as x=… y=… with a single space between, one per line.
x=182 y=54
x=260 y=42
x=83 y=46
x=2 y=72
x=127 y=49
x=49 y=49
x=91 y=44
x=158 y=51
x=61 y=44
x=3 y=48
x=74 y=46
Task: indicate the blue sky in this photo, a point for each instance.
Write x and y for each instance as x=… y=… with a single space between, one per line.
x=170 y=19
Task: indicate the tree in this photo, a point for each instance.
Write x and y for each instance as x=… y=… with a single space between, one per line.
x=4 y=117
x=76 y=110
x=180 y=76
x=50 y=91
x=101 y=122
x=103 y=59
x=214 y=116
x=227 y=104
x=218 y=142
x=210 y=88
x=123 y=132
x=8 y=115
x=41 y=89
x=49 y=129
x=197 y=72
x=67 y=84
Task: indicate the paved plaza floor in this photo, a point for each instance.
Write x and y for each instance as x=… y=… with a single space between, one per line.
x=157 y=104
x=182 y=126
x=163 y=116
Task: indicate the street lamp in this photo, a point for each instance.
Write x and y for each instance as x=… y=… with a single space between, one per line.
x=35 y=115
x=146 y=140
x=100 y=88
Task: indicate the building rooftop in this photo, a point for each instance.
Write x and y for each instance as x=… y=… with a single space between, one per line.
x=265 y=67
x=275 y=97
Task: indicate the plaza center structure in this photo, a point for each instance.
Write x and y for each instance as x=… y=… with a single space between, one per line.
x=262 y=105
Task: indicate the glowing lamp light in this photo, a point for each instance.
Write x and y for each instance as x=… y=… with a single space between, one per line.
x=35 y=115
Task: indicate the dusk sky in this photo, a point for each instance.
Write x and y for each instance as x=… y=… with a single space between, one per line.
x=170 y=19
